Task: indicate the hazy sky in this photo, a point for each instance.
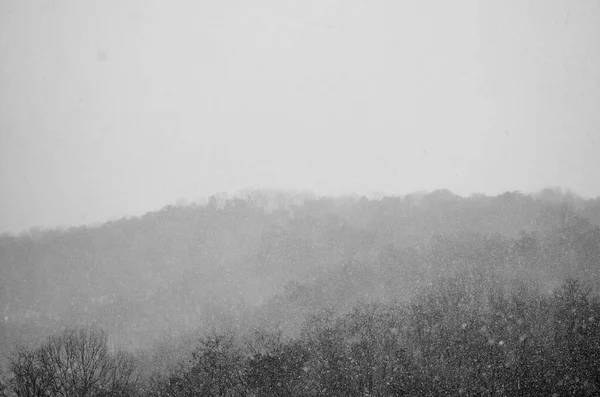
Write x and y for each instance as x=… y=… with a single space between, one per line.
x=118 y=107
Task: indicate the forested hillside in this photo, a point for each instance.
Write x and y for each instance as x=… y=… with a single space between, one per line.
x=274 y=260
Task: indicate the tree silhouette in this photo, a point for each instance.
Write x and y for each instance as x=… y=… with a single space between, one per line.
x=74 y=363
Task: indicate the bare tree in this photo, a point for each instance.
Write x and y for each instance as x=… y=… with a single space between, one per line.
x=28 y=378
x=75 y=363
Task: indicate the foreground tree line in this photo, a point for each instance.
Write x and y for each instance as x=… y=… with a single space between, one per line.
x=468 y=335
x=76 y=362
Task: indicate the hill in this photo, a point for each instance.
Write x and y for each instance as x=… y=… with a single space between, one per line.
x=265 y=257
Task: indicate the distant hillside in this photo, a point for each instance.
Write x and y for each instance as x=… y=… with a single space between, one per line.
x=187 y=267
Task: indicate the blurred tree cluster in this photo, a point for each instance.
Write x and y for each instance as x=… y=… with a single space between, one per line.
x=470 y=335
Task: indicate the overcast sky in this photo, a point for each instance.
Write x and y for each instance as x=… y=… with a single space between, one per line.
x=118 y=107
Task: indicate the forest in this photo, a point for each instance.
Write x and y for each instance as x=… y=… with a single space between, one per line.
x=270 y=293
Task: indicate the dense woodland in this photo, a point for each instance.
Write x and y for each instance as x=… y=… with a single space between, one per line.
x=275 y=294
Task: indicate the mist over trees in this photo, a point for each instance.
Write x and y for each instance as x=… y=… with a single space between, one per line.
x=269 y=293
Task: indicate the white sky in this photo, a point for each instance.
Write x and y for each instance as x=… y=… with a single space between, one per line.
x=117 y=107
